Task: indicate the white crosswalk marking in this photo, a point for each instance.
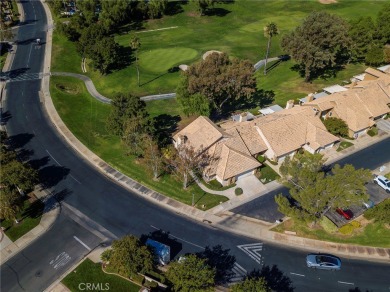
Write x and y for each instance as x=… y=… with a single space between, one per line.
x=252 y=250
x=239 y=273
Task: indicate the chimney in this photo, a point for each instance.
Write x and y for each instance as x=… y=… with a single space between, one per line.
x=290 y=104
x=353 y=84
x=310 y=97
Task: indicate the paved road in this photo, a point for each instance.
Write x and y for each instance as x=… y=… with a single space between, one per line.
x=100 y=200
x=265 y=208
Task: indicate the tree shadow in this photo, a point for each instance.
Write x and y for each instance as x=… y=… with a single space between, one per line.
x=5 y=116
x=275 y=278
x=38 y=163
x=25 y=154
x=163 y=237
x=322 y=73
x=164 y=126
x=34 y=210
x=19 y=140
x=14 y=73
x=170 y=70
x=221 y=260
x=52 y=201
x=125 y=58
x=357 y=289
x=50 y=176
x=217 y=11
x=282 y=58
x=174 y=7
x=26 y=41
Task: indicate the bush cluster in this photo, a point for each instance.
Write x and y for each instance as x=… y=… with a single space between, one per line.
x=238 y=191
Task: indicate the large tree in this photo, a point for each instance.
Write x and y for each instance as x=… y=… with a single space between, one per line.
x=321 y=42
x=219 y=79
x=185 y=161
x=251 y=285
x=18 y=175
x=128 y=256
x=383 y=24
x=10 y=204
x=123 y=108
x=152 y=155
x=156 y=8
x=191 y=274
x=314 y=193
x=270 y=30
x=114 y=13
x=195 y=104
x=362 y=32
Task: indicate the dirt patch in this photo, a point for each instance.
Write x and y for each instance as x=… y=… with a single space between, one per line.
x=327 y=1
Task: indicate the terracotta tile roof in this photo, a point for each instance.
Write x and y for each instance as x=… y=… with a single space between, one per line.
x=359 y=106
x=290 y=129
x=201 y=133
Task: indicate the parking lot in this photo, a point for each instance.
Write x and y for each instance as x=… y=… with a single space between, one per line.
x=377 y=195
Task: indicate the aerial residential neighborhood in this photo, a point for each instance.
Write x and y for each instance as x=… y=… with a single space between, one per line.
x=195 y=145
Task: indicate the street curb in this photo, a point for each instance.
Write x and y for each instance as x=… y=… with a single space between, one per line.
x=185 y=210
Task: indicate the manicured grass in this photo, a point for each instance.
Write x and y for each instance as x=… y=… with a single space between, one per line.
x=29 y=217
x=387 y=175
x=89 y=272
x=266 y=174
x=344 y=145
x=161 y=60
x=373 y=131
x=85 y=117
x=374 y=234
x=236 y=28
x=216 y=186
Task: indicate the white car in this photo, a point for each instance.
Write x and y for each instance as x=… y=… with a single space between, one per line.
x=383 y=182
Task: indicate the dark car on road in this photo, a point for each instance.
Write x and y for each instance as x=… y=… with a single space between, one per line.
x=347 y=214
x=323 y=261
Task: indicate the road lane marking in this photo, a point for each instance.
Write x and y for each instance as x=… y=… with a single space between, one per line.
x=347 y=283
x=61 y=260
x=179 y=238
x=82 y=243
x=239 y=273
x=53 y=158
x=300 y=275
x=252 y=250
x=29 y=54
x=75 y=179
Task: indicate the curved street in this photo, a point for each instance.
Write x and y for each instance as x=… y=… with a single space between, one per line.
x=95 y=209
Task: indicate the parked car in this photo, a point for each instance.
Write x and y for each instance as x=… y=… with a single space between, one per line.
x=369 y=204
x=323 y=261
x=347 y=214
x=383 y=182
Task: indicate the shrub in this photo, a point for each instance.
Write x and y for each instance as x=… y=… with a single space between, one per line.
x=328 y=225
x=138 y=279
x=356 y=224
x=379 y=212
x=238 y=191
x=346 y=229
x=373 y=131
x=261 y=158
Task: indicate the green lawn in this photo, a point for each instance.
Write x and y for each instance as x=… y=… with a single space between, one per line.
x=29 y=217
x=237 y=30
x=344 y=145
x=85 y=117
x=216 y=185
x=266 y=174
x=374 y=234
x=89 y=272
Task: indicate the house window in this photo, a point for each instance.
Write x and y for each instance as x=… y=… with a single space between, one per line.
x=330 y=114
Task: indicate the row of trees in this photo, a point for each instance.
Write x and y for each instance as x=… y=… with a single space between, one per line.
x=130 y=121
x=324 y=42
x=16 y=177
x=313 y=192
x=195 y=272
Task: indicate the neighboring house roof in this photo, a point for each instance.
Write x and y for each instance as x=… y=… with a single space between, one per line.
x=376 y=73
x=201 y=133
x=358 y=107
x=271 y=109
x=334 y=89
x=289 y=130
x=315 y=96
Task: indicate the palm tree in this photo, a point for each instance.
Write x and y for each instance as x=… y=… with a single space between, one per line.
x=135 y=44
x=269 y=31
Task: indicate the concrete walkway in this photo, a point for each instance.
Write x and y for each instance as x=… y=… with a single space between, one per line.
x=94 y=93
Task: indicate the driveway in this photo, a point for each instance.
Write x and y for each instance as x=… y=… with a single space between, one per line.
x=250 y=185
x=383 y=125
